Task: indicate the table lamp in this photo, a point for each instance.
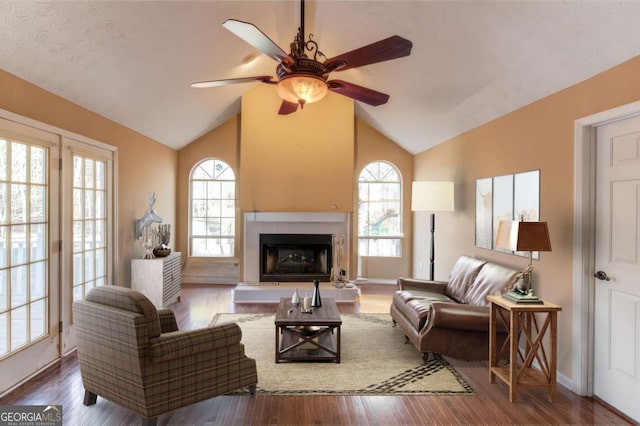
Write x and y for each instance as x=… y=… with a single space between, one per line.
x=523 y=236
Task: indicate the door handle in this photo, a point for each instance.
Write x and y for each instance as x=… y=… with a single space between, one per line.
x=601 y=275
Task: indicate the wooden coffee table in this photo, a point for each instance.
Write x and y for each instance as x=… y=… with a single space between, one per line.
x=307 y=336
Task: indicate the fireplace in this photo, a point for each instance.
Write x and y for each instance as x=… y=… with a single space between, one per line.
x=295 y=257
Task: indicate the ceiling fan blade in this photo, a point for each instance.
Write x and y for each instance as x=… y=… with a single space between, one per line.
x=216 y=83
x=287 y=108
x=383 y=50
x=256 y=38
x=359 y=93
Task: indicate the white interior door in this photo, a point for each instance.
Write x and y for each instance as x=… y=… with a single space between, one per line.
x=617 y=262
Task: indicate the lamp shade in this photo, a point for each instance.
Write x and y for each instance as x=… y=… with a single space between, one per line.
x=302 y=89
x=429 y=196
x=523 y=236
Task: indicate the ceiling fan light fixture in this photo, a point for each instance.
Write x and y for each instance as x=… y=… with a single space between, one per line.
x=302 y=89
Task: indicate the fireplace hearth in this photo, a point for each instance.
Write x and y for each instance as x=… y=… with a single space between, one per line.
x=295 y=257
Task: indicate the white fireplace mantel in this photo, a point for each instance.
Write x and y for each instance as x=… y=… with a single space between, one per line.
x=256 y=223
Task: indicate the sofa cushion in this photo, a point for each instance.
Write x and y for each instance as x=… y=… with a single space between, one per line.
x=462 y=276
x=417 y=312
x=492 y=279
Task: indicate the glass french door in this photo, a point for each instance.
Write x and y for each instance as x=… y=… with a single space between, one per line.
x=88 y=225
x=29 y=262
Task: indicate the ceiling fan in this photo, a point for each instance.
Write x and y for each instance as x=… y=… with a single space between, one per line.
x=302 y=78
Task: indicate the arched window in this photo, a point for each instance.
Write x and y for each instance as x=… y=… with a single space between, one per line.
x=379 y=210
x=213 y=209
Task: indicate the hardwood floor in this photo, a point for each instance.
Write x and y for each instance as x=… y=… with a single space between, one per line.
x=62 y=384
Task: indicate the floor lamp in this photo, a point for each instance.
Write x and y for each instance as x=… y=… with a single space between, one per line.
x=432 y=197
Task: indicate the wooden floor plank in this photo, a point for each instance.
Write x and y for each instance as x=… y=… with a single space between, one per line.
x=61 y=384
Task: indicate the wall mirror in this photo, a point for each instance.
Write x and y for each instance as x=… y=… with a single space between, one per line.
x=507 y=197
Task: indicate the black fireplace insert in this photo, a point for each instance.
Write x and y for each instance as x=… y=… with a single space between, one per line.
x=295 y=257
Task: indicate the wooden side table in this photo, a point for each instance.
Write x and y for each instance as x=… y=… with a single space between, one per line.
x=520 y=320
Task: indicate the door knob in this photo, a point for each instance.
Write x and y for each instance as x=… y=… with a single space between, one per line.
x=601 y=275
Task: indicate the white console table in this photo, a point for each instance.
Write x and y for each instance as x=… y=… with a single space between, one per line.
x=159 y=279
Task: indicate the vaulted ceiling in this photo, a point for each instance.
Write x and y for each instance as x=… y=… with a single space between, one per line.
x=472 y=61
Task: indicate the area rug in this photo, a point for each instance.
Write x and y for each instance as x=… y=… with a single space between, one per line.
x=374 y=361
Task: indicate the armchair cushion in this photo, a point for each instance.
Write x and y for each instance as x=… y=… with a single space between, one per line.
x=167 y=320
x=179 y=344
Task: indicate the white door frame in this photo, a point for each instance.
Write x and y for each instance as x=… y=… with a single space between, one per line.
x=584 y=241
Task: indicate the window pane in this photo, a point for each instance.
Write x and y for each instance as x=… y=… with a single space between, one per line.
x=77 y=172
x=89 y=265
x=38 y=204
x=4 y=205
x=89 y=177
x=228 y=191
x=38 y=319
x=101 y=177
x=214 y=190
x=18 y=203
x=101 y=261
x=4 y=290
x=18 y=244
x=78 y=203
x=18 y=286
x=18 y=327
x=3 y=159
x=38 y=241
x=4 y=335
x=101 y=237
x=198 y=190
x=100 y=209
x=18 y=162
x=89 y=236
x=78 y=261
x=38 y=281
x=4 y=252
x=78 y=235
x=227 y=227
x=38 y=165
x=89 y=204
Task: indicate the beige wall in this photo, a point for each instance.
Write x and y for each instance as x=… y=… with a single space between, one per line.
x=144 y=166
x=538 y=136
x=301 y=162
x=371 y=146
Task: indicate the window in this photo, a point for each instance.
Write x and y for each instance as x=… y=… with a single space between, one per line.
x=379 y=210
x=213 y=209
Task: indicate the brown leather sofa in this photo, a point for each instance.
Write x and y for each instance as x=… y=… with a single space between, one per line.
x=452 y=318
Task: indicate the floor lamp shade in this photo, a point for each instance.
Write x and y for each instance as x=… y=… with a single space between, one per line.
x=428 y=196
x=432 y=196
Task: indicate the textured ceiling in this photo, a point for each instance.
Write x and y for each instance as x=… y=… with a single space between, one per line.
x=472 y=61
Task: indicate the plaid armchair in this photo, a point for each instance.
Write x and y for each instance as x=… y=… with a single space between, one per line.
x=133 y=355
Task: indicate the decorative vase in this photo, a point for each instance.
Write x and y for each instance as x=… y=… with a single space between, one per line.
x=316 y=301
x=295 y=299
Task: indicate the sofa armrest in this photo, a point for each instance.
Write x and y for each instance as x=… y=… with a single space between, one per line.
x=167 y=320
x=422 y=285
x=179 y=344
x=461 y=317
